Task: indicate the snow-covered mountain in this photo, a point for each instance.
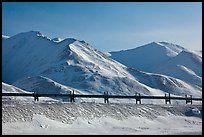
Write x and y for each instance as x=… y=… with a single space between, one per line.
x=164 y=58
x=32 y=61
x=69 y=62
x=166 y=83
x=147 y=56
x=186 y=66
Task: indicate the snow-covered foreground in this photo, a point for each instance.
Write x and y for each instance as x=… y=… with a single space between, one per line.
x=19 y=117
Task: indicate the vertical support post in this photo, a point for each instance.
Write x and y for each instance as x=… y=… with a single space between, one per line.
x=69 y=96
x=106 y=97
x=191 y=99
x=186 y=99
x=104 y=94
x=137 y=98
x=167 y=99
x=72 y=97
x=35 y=95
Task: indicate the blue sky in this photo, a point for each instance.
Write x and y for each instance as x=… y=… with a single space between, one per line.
x=108 y=26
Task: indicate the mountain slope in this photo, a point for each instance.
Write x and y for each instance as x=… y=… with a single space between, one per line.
x=25 y=51
x=69 y=62
x=166 y=83
x=6 y=88
x=45 y=85
x=164 y=58
x=147 y=56
x=186 y=66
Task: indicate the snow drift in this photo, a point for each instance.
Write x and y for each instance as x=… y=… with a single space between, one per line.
x=99 y=118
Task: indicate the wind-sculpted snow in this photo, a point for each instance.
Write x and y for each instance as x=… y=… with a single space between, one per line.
x=69 y=112
x=173 y=47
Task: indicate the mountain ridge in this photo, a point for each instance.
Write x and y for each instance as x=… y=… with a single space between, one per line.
x=74 y=63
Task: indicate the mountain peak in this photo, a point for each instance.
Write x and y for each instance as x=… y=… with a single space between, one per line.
x=169 y=46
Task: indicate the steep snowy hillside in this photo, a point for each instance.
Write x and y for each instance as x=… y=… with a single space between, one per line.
x=197 y=52
x=186 y=66
x=28 y=54
x=69 y=62
x=164 y=58
x=6 y=88
x=167 y=84
x=43 y=85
